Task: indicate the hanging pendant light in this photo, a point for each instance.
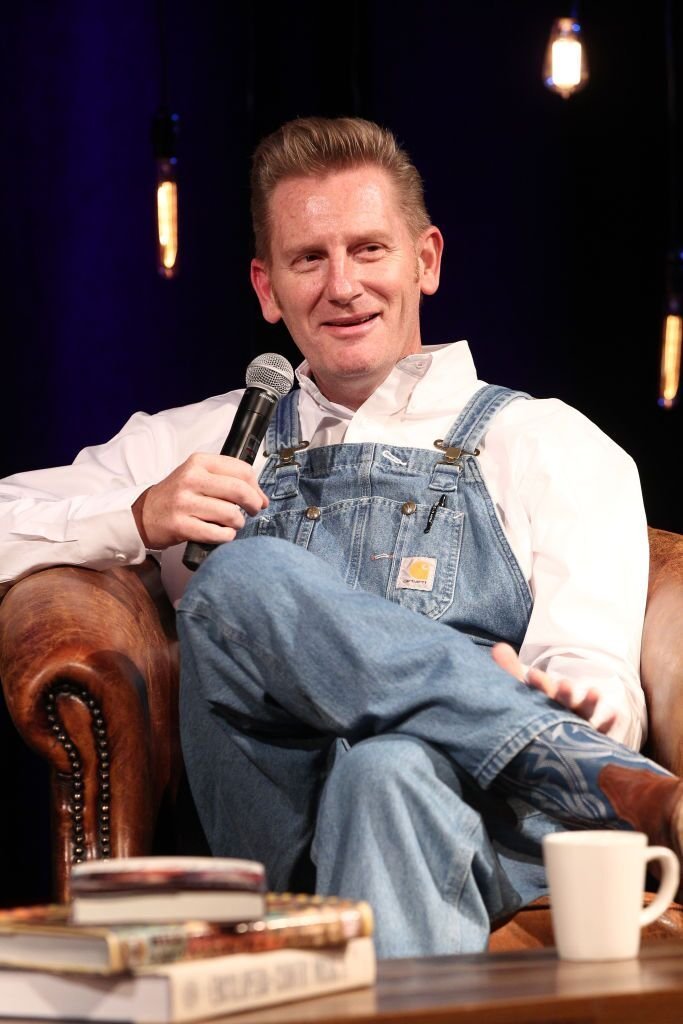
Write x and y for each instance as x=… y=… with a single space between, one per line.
x=670 y=367
x=565 y=68
x=672 y=329
x=164 y=131
x=672 y=334
x=164 y=142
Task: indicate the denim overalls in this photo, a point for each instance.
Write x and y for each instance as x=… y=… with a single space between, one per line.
x=414 y=526
x=325 y=724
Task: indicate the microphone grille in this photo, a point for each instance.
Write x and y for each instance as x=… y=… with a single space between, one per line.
x=271 y=371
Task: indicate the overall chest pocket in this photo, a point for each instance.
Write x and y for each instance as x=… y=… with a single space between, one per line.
x=379 y=545
x=424 y=566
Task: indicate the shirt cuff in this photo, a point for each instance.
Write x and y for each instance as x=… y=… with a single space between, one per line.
x=107 y=540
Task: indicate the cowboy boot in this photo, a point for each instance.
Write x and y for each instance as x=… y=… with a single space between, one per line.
x=586 y=780
x=647 y=801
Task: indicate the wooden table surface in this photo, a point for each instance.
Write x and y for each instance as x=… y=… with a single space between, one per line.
x=503 y=988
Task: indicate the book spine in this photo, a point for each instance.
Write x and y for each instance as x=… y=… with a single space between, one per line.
x=312 y=927
x=325 y=924
x=208 y=988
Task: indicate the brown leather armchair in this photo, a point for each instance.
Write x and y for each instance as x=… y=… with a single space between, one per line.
x=89 y=667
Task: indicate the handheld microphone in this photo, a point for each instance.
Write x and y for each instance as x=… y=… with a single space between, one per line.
x=269 y=377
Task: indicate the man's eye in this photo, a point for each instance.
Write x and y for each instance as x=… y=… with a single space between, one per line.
x=371 y=249
x=310 y=257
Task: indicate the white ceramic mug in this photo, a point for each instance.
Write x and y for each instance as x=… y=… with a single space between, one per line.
x=596 y=881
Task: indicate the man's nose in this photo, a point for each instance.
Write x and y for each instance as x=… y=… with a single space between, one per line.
x=342 y=281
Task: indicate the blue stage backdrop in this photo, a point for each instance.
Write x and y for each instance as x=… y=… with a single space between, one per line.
x=555 y=212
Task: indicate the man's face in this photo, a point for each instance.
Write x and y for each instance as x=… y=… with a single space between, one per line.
x=346 y=275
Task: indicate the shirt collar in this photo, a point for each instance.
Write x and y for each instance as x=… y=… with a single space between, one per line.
x=437 y=376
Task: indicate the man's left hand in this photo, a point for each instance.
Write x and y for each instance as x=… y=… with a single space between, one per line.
x=587 y=706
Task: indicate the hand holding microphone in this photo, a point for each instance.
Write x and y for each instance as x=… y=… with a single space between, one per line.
x=203 y=498
x=269 y=377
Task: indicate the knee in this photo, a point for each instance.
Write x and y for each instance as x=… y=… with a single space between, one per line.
x=251 y=567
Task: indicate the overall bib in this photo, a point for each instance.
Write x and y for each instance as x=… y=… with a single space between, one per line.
x=367 y=510
x=351 y=743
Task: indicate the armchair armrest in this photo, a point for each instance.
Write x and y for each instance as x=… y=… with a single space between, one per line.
x=88 y=662
x=661 y=661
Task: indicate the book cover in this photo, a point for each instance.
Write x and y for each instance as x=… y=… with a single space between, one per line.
x=153 y=874
x=188 y=990
x=135 y=890
x=43 y=937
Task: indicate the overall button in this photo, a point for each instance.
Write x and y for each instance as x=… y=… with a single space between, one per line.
x=313 y=512
x=408 y=507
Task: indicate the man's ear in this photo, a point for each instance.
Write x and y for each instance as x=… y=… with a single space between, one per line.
x=260 y=279
x=429 y=251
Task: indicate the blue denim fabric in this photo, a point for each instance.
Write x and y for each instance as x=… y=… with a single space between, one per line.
x=374 y=502
x=323 y=718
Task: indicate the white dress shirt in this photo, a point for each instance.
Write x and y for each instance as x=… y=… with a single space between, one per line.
x=568 y=499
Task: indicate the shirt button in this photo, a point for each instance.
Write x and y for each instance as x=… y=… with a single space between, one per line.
x=408 y=507
x=120 y=557
x=313 y=512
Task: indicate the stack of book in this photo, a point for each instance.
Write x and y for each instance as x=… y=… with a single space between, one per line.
x=163 y=940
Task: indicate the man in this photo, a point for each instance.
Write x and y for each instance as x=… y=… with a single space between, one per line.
x=354 y=710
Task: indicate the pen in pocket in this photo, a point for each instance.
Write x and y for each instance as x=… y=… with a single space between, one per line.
x=432 y=512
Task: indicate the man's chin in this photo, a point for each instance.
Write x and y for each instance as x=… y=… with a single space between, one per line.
x=346 y=381
x=358 y=369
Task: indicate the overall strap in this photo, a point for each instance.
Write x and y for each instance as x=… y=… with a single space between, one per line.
x=466 y=433
x=474 y=420
x=283 y=429
x=283 y=435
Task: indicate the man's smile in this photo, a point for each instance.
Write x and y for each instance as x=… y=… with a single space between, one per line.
x=350 y=321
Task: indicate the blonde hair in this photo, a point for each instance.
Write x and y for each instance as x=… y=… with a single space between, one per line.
x=319 y=145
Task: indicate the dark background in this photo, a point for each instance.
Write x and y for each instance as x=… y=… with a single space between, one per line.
x=556 y=214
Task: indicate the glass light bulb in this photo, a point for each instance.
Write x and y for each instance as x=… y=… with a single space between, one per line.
x=164 y=134
x=670 y=367
x=565 y=69
x=167 y=218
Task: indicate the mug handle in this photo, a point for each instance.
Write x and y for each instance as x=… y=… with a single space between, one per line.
x=667 y=885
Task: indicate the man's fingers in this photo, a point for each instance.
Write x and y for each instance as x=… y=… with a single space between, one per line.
x=220 y=513
x=605 y=722
x=540 y=680
x=506 y=658
x=231 y=469
x=201 y=500
x=219 y=476
x=601 y=717
x=217 y=499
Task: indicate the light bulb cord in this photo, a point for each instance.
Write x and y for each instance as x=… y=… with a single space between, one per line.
x=163 y=55
x=674 y=239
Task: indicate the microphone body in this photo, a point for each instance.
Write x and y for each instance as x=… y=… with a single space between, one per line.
x=250 y=424
x=266 y=384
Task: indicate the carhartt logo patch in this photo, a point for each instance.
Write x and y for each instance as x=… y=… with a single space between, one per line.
x=416 y=573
